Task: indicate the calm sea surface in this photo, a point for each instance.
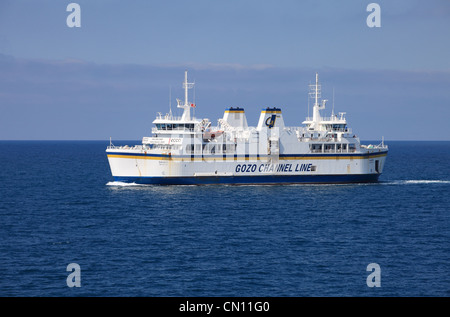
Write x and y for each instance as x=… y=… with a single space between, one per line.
x=58 y=205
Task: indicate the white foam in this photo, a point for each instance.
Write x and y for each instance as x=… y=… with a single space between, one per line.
x=422 y=181
x=121 y=184
x=417 y=181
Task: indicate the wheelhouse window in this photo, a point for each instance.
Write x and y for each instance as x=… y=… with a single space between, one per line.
x=339 y=127
x=175 y=126
x=329 y=147
x=315 y=147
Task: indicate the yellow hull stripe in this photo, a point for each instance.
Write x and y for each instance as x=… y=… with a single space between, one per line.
x=252 y=158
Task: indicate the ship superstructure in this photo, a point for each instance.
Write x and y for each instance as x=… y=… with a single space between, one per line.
x=187 y=150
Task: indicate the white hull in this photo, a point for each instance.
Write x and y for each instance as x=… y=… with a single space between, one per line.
x=141 y=167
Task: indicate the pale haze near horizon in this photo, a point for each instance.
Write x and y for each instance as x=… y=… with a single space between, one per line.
x=113 y=74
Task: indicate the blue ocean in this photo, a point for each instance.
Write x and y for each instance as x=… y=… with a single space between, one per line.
x=59 y=205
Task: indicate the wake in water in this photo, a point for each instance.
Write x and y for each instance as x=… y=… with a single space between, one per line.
x=122 y=184
x=416 y=181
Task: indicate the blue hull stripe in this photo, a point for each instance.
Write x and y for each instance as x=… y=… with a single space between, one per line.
x=264 y=179
x=312 y=155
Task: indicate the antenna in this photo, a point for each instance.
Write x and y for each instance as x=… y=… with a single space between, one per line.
x=308 y=102
x=332 y=108
x=194 y=90
x=315 y=90
x=186 y=86
x=194 y=99
x=187 y=108
x=170 y=100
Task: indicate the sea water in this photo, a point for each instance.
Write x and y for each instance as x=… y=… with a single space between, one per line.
x=59 y=205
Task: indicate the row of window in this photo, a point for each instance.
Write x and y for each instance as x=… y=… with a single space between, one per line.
x=231 y=148
x=211 y=148
x=163 y=146
x=175 y=126
x=318 y=135
x=335 y=147
x=337 y=127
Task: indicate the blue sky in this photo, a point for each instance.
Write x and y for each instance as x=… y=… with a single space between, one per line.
x=111 y=76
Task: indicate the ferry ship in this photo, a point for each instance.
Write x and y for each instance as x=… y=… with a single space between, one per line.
x=190 y=151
